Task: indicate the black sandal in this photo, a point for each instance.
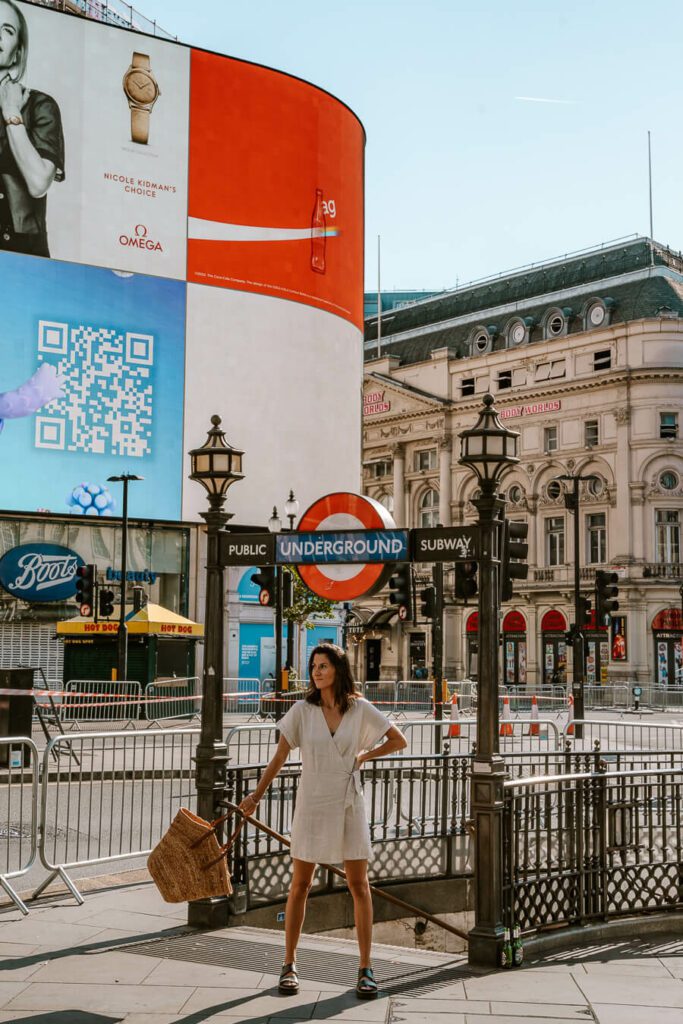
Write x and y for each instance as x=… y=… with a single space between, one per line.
x=289 y=980
x=367 y=986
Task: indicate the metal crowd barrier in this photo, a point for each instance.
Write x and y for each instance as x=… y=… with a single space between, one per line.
x=626 y=735
x=382 y=693
x=171 y=698
x=539 y=734
x=18 y=812
x=414 y=695
x=100 y=700
x=241 y=695
x=609 y=695
x=118 y=803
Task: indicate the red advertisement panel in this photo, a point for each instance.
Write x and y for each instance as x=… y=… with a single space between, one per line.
x=275 y=188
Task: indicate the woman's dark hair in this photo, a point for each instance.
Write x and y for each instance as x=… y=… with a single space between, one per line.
x=344 y=685
x=21 y=55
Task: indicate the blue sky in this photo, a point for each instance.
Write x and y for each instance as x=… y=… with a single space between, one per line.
x=467 y=173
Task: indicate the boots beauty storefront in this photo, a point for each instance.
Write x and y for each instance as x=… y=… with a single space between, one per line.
x=38 y=558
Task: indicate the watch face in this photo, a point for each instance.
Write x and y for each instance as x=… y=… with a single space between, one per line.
x=141 y=87
x=597 y=315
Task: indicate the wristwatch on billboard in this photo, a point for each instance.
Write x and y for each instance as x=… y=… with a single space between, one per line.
x=142 y=91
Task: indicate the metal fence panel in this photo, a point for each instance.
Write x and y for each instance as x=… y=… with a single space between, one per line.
x=18 y=811
x=101 y=700
x=626 y=735
x=241 y=695
x=116 y=802
x=171 y=698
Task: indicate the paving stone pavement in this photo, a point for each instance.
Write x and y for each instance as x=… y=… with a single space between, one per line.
x=125 y=956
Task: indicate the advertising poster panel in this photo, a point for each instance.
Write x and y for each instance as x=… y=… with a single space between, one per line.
x=276 y=187
x=106 y=113
x=92 y=386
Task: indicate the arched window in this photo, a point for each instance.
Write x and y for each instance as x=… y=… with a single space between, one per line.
x=429 y=508
x=388 y=501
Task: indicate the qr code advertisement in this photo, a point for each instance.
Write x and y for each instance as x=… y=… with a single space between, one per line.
x=91 y=384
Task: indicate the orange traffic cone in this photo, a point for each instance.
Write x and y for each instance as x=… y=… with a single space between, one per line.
x=454 y=727
x=570 y=720
x=534 y=728
x=506 y=724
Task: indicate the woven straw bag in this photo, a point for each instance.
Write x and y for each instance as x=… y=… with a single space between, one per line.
x=188 y=863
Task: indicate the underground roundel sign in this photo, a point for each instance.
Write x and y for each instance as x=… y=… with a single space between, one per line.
x=345 y=511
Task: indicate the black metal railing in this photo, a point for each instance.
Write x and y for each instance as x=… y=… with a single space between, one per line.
x=588 y=846
x=419 y=813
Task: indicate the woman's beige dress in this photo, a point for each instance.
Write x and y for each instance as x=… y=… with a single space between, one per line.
x=330 y=822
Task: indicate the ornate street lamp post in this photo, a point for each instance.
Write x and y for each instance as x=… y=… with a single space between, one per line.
x=489 y=449
x=216 y=465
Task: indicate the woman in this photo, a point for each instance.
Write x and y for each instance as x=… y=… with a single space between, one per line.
x=335 y=729
x=31 y=143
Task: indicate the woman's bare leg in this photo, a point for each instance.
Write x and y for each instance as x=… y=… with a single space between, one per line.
x=302 y=877
x=357 y=881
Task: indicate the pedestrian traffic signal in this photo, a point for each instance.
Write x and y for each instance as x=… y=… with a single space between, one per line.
x=513 y=557
x=585 y=618
x=466 y=585
x=106 y=603
x=265 y=580
x=606 y=592
x=287 y=589
x=85 y=587
x=401 y=587
x=140 y=598
x=428 y=603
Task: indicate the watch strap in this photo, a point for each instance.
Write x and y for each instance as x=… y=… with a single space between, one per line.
x=139 y=125
x=140 y=60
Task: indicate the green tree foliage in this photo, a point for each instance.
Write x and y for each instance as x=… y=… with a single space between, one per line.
x=305 y=603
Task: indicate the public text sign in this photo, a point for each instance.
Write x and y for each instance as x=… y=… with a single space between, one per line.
x=247 y=548
x=348 y=547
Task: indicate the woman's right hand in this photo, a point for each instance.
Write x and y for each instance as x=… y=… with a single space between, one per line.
x=12 y=97
x=248 y=805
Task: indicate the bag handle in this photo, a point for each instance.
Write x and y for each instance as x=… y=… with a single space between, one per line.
x=225 y=849
x=212 y=829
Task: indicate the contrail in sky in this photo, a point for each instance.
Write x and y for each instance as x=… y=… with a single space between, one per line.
x=543 y=99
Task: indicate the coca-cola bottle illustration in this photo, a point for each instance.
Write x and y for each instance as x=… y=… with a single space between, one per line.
x=318 y=239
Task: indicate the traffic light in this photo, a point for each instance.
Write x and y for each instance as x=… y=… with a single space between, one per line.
x=401 y=589
x=428 y=602
x=606 y=593
x=466 y=585
x=287 y=581
x=585 y=620
x=106 y=603
x=513 y=557
x=85 y=587
x=140 y=598
x=265 y=580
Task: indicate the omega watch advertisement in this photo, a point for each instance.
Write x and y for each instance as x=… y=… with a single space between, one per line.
x=108 y=112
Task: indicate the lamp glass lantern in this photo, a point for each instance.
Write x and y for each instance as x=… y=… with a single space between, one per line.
x=216 y=465
x=275 y=523
x=291 y=509
x=489 y=447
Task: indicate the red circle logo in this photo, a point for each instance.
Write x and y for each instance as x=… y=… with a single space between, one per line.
x=345 y=511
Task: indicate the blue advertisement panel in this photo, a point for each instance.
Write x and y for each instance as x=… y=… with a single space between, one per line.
x=91 y=386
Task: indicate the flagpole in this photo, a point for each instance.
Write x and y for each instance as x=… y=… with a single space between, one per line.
x=379 y=299
x=649 y=176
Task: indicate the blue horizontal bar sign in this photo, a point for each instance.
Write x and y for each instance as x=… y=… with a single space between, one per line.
x=350 y=547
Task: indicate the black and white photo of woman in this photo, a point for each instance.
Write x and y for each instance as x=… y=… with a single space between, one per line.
x=31 y=143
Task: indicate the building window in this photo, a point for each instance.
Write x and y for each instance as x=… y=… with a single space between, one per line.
x=668 y=535
x=668 y=480
x=596 y=539
x=554 y=540
x=429 y=509
x=515 y=494
x=387 y=500
x=591 y=433
x=467 y=386
x=504 y=379
x=550 y=439
x=596 y=486
x=602 y=360
x=380 y=469
x=668 y=425
x=425 y=459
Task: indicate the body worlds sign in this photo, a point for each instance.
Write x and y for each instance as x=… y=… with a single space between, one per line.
x=40 y=572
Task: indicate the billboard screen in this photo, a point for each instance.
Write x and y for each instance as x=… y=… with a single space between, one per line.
x=92 y=369
x=181 y=234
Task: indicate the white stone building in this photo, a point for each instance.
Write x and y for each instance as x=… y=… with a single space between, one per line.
x=584 y=357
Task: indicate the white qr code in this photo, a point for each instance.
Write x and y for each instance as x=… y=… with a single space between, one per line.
x=107 y=403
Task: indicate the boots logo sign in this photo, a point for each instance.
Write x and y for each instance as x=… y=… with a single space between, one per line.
x=140 y=239
x=40 y=572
